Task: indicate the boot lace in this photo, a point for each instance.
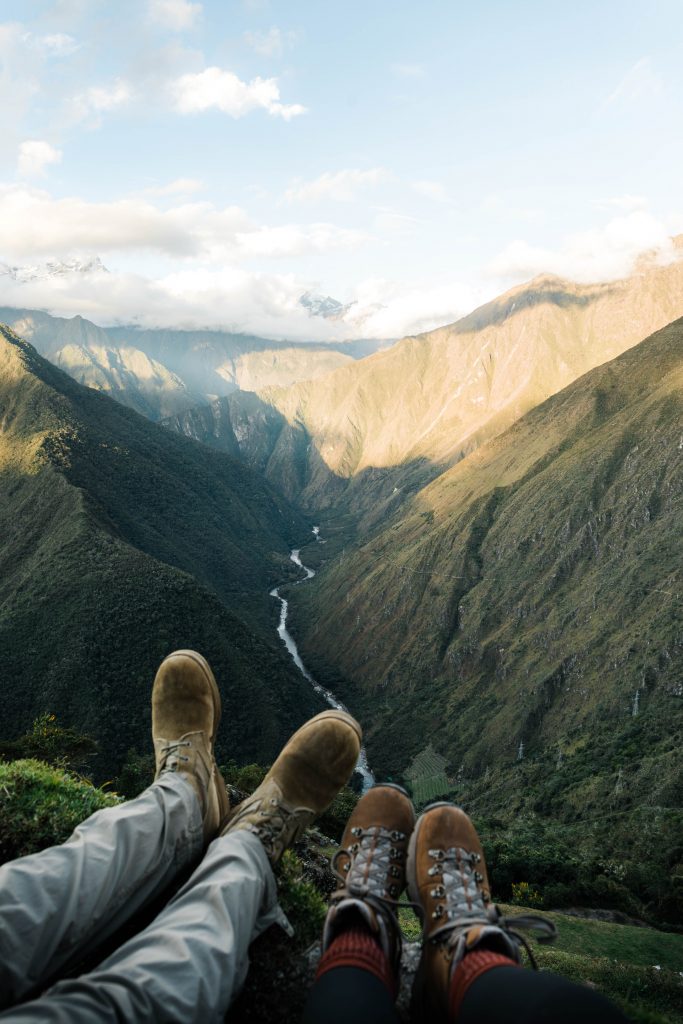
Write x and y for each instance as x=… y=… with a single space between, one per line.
x=373 y=860
x=273 y=819
x=172 y=757
x=464 y=905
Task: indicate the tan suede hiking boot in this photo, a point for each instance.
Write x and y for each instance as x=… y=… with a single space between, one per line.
x=311 y=769
x=186 y=710
x=447 y=878
x=371 y=864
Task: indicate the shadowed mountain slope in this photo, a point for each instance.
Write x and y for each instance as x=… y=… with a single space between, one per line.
x=120 y=541
x=523 y=612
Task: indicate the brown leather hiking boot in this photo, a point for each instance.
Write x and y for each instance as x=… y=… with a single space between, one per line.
x=311 y=769
x=371 y=864
x=186 y=710
x=447 y=878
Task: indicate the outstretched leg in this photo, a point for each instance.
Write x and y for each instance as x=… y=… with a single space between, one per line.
x=55 y=904
x=191 y=961
x=60 y=903
x=358 y=974
x=470 y=965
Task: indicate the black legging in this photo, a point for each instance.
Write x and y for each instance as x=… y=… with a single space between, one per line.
x=502 y=995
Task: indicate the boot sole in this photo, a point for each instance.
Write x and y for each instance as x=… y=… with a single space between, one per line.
x=203 y=664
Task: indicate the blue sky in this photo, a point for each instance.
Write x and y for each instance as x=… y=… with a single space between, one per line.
x=223 y=157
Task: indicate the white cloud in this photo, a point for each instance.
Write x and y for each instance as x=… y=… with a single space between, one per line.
x=640 y=82
x=88 y=106
x=180 y=186
x=175 y=15
x=233 y=298
x=625 y=203
x=296 y=239
x=432 y=190
x=228 y=298
x=35 y=156
x=388 y=221
x=342 y=186
x=392 y=309
x=600 y=254
x=57 y=45
x=215 y=88
x=34 y=225
x=270 y=44
x=408 y=70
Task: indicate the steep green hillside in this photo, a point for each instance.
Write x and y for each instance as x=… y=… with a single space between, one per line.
x=120 y=541
x=524 y=612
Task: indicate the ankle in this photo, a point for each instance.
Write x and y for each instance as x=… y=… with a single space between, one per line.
x=472 y=966
x=357 y=946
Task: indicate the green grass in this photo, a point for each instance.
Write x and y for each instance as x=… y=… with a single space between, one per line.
x=41 y=806
x=621 y=961
x=644 y=947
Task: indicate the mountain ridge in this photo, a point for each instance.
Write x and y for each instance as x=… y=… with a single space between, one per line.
x=408 y=412
x=161 y=372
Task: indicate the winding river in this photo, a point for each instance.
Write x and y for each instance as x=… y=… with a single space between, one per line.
x=362 y=767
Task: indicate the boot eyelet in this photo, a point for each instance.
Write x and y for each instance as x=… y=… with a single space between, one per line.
x=393 y=890
x=395 y=872
x=397 y=836
x=437 y=855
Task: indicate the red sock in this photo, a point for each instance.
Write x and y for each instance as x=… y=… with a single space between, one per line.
x=471 y=967
x=358 y=947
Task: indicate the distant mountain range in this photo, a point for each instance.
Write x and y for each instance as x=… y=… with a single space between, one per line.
x=120 y=541
x=53 y=268
x=375 y=430
x=164 y=372
x=324 y=306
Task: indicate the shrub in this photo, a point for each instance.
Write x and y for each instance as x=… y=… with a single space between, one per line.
x=300 y=900
x=40 y=806
x=136 y=774
x=525 y=896
x=60 y=746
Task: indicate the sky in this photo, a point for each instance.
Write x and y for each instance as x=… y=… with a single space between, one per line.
x=223 y=157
